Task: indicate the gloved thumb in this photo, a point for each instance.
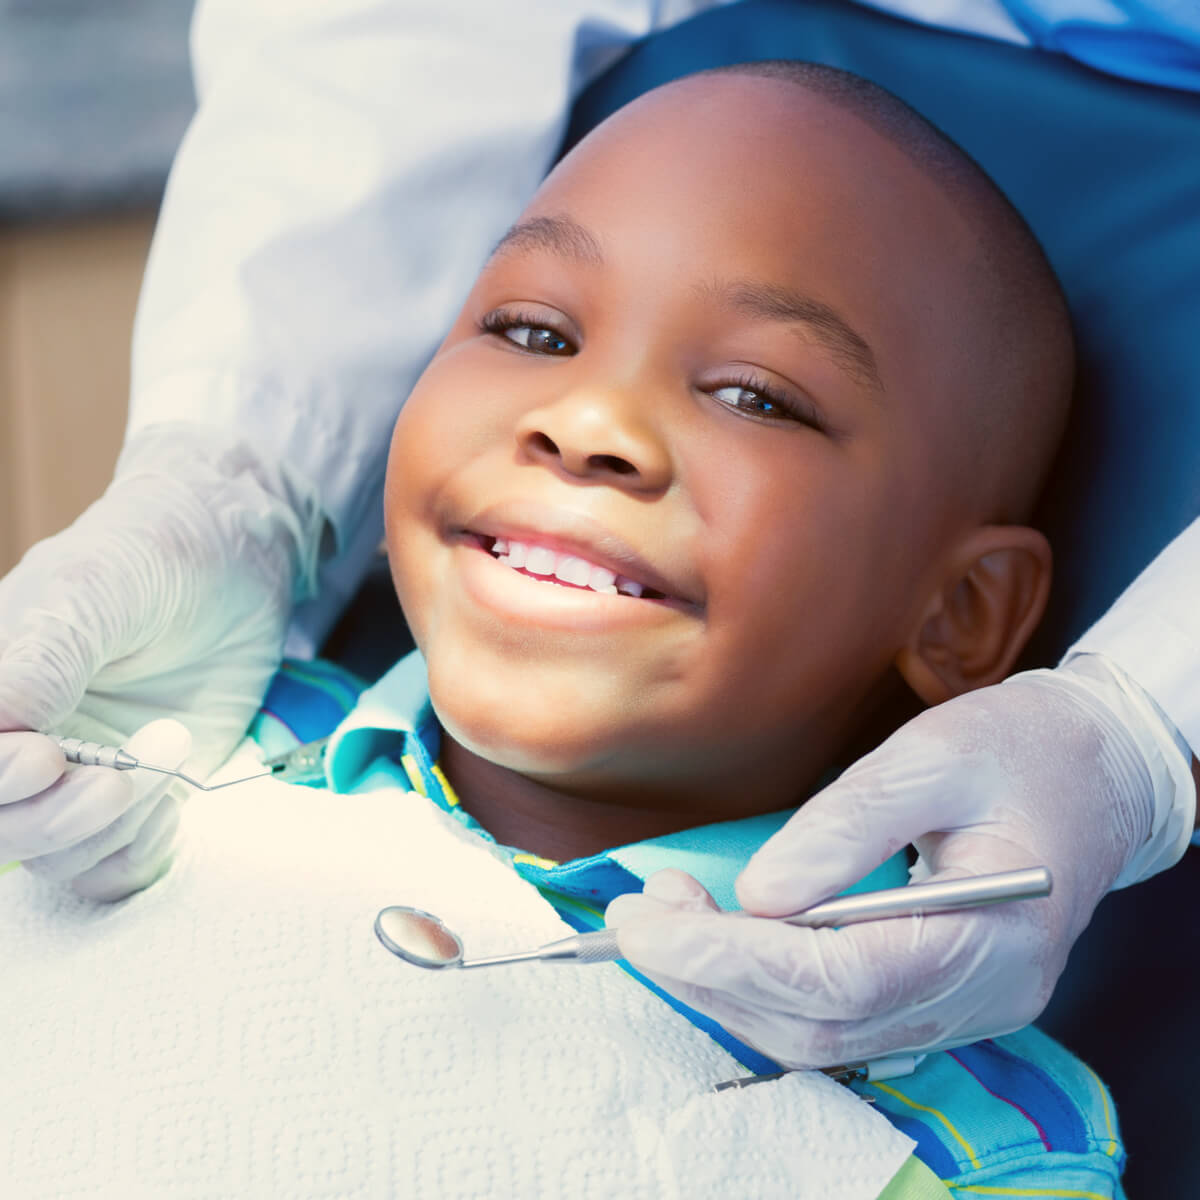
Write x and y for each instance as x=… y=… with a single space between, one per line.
x=666 y=891
x=132 y=850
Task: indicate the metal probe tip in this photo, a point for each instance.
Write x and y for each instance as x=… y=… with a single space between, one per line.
x=204 y=787
x=116 y=758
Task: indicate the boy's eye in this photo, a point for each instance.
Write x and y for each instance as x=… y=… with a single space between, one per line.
x=538 y=338
x=756 y=399
x=524 y=332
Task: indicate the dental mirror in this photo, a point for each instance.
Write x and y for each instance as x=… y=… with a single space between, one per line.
x=418 y=937
x=422 y=939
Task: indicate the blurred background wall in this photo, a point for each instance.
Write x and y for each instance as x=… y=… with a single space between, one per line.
x=94 y=97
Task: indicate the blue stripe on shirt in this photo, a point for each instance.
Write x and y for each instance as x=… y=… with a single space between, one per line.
x=1043 y=1103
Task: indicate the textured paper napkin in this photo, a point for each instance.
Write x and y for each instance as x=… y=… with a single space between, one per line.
x=237 y=1031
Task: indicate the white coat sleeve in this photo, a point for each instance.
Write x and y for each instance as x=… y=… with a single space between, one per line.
x=1152 y=632
x=349 y=167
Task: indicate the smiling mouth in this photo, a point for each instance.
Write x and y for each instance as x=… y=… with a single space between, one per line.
x=547 y=565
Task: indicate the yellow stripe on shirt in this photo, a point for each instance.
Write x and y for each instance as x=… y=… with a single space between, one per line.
x=958 y=1137
x=546 y=864
x=448 y=791
x=1108 y=1125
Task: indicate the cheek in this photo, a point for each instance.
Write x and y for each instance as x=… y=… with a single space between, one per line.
x=444 y=423
x=786 y=530
x=418 y=464
x=800 y=562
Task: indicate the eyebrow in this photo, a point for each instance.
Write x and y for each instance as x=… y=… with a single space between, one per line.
x=772 y=302
x=560 y=235
x=564 y=236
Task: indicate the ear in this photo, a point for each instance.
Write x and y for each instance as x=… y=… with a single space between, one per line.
x=986 y=604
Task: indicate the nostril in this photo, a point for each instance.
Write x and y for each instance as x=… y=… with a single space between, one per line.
x=610 y=462
x=539 y=441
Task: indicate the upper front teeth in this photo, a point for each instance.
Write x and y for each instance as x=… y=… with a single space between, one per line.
x=540 y=561
x=570 y=568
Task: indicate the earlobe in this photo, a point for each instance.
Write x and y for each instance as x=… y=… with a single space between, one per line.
x=979 y=617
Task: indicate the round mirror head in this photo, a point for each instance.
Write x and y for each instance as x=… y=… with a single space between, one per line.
x=417 y=937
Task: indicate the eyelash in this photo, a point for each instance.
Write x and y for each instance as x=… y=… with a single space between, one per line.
x=791 y=408
x=502 y=320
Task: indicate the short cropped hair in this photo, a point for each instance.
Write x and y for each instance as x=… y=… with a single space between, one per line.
x=1021 y=342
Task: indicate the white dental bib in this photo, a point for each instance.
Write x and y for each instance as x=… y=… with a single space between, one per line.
x=237 y=1031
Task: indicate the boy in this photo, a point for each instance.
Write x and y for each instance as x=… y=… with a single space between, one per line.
x=728 y=453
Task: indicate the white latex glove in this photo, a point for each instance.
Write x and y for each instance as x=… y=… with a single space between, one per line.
x=110 y=833
x=1073 y=768
x=169 y=597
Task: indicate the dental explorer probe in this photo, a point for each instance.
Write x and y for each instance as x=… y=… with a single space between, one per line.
x=424 y=940
x=95 y=754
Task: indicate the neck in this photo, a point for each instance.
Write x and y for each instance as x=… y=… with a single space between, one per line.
x=560 y=824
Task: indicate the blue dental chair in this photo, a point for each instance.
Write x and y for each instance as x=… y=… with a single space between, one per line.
x=1107 y=173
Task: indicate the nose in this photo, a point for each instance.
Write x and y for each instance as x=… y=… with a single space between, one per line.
x=597 y=435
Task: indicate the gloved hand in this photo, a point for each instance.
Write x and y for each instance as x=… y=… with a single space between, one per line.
x=1075 y=769
x=170 y=596
x=110 y=833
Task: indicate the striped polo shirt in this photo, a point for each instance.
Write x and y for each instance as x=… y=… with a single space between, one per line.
x=1016 y=1116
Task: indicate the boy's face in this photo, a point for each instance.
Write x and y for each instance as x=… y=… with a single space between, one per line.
x=710 y=360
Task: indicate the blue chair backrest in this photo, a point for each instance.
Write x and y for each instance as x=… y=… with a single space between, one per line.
x=1107 y=173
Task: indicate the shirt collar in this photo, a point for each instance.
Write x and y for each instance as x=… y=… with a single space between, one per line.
x=387 y=713
x=398 y=708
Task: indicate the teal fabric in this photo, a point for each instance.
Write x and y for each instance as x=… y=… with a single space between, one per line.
x=398 y=704
x=303 y=703
x=1107 y=173
x=715 y=854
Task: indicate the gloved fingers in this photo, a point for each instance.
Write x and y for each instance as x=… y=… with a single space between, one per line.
x=137 y=865
x=949 y=1018
x=29 y=764
x=44 y=673
x=667 y=891
x=678 y=889
x=106 y=827
x=789 y=1040
x=851 y=974
x=840 y=836
x=74 y=860
x=137 y=849
x=74 y=807
x=910 y=786
x=171 y=594
x=801 y=1043
x=960 y=855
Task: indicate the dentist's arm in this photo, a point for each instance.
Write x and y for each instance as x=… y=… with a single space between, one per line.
x=348 y=169
x=1088 y=769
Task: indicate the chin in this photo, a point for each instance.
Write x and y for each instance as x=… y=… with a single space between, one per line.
x=533 y=721
x=538 y=745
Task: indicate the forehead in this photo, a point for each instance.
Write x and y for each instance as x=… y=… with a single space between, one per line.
x=723 y=177
x=713 y=148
